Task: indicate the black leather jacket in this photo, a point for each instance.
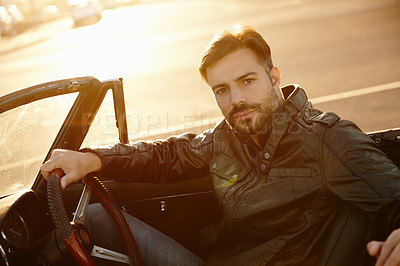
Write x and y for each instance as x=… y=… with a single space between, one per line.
x=276 y=200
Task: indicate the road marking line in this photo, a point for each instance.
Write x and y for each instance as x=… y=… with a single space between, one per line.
x=354 y=93
x=323 y=99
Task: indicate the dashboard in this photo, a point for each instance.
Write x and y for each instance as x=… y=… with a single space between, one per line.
x=23 y=228
x=15 y=230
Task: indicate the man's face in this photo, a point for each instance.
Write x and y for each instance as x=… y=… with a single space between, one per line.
x=245 y=92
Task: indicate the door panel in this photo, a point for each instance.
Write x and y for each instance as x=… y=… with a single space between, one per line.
x=180 y=210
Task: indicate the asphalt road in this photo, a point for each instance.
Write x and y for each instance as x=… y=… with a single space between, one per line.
x=328 y=47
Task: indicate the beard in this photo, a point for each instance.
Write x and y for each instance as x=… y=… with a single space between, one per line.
x=257 y=123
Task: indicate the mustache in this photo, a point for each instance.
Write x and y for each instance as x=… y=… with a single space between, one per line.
x=243 y=107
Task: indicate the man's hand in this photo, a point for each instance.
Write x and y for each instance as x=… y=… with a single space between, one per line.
x=76 y=165
x=388 y=252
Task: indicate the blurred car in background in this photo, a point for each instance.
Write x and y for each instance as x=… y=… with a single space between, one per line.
x=49 y=12
x=5 y=22
x=85 y=11
x=11 y=20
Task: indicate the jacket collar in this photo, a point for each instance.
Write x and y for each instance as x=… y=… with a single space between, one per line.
x=295 y=98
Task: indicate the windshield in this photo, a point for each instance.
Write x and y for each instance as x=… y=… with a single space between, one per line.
x=26 y=135
x=103 y=130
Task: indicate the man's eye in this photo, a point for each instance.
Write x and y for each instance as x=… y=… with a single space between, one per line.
x=248 y=81
x=220 y=91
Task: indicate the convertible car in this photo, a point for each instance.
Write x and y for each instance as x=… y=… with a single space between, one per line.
x=40 y=224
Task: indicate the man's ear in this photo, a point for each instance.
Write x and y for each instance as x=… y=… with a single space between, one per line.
x=275 y=76
x=276 y=81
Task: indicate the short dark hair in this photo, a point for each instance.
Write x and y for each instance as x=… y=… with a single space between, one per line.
x=228 y=41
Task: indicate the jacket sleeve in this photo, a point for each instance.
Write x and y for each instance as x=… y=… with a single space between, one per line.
x=173 y=159
x=357 y=171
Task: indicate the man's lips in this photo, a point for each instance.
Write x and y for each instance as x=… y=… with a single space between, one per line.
x=244 y=114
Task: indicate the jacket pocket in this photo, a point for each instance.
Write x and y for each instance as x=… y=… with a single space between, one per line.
x=276 y=173
x=226 y=171
x=290 y=183
x=281 y=187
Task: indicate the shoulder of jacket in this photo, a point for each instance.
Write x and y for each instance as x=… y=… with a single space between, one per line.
x=327 y=118
x=311 y=115
x=345 y=128
x=349 y=142
x=347 y=139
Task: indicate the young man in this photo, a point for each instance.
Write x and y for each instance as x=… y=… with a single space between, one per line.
x=280 y=168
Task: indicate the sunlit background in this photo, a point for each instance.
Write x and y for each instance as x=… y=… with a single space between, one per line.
x=328 y=47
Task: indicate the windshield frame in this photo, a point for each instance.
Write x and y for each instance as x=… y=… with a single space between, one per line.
x=91 y=93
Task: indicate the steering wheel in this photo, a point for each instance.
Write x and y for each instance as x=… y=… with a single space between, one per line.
x=69 y=236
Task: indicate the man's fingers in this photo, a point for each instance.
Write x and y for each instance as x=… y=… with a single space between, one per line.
x=374 y=248
x=388 y=247
x=54 y=162
x=46 y=168
x=55 y=152
x=74 y=164
x=64 y=181
x=69 y=178
x=394 y=258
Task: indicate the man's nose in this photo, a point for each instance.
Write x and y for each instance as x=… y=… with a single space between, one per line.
x=238 y=96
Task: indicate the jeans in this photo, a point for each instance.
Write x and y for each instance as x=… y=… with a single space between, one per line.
x=154 y=247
